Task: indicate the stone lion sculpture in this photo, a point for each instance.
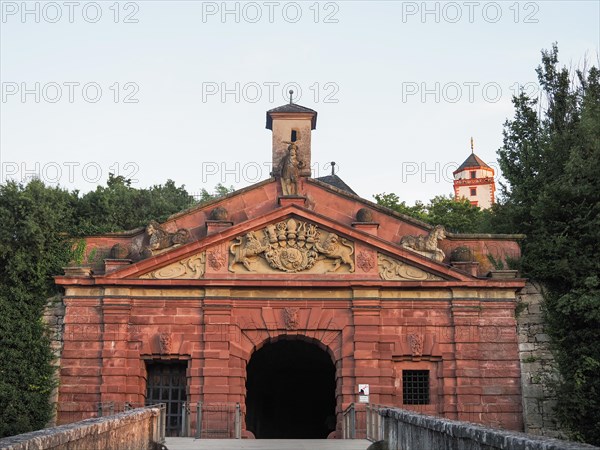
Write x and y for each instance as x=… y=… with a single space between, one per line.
x=242 y=251
x=426 y=245
x=338 y=249
x=161 y=239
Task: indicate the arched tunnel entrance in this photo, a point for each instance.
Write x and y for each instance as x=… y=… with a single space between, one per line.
x=290 y=391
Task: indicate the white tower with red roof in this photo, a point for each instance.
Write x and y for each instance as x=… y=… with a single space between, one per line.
x=474 y=180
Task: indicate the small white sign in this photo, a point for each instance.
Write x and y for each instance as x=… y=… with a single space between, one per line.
x=363 y=393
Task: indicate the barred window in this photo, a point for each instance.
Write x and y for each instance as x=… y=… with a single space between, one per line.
x=415 y=387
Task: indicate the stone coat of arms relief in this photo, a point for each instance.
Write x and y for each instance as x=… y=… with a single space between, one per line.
x=291 y=246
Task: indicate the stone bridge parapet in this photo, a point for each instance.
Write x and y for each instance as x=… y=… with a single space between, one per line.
x=137 y=429
x=407 y=430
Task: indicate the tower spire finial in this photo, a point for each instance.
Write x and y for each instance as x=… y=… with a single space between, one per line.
x=291 y=93
x=472 y=146
x=332 y=167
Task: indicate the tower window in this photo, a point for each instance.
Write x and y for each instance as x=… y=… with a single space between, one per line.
x=473 y=174
x=294 y=136
x=415 y=387
x=473 y=192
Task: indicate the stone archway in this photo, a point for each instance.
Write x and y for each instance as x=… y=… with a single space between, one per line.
x=291 y=390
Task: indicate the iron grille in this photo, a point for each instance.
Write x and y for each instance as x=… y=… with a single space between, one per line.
x=415 y=387
x=167 y=384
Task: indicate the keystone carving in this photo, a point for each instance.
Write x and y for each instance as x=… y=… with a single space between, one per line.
x=291 y=246
x=415 y=341
x=290 y=317
x=393 y=270
x=164 y=342
x=426 y=245
x=160 y=239
x=188 y=268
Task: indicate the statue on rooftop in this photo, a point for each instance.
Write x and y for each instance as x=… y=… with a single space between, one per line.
x=289 y=170
x=160 y=239
x=426 y=245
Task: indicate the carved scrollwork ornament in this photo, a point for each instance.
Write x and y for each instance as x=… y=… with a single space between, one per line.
x=193 y=267
x=393 y=270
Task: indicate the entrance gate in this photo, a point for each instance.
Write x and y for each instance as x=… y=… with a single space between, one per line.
x=290 y=391
x=167 y=384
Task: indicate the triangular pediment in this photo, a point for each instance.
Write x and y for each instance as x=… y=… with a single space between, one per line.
x=290 y=242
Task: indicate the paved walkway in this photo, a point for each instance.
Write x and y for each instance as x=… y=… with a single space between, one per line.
x=266 y=444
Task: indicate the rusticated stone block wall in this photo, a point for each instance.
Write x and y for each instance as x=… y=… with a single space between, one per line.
x=538 y=369
x=54 y=315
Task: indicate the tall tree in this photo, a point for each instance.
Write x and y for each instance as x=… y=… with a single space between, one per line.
x=457 y=216
x=34 y=221
x=119 y=206
x=551 y=162
x=37 y=223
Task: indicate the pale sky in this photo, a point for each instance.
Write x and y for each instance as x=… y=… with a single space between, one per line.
x=154 y=90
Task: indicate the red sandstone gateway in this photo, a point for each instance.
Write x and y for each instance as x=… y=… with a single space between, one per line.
x=293 y=298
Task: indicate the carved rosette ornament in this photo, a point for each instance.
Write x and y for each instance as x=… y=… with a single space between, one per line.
x=290 y=317
x=365 y=261
x=393 y=270
x=291 y=246
x=415 y=341
x=164 y=342
x=216 y=259
x=189 y=268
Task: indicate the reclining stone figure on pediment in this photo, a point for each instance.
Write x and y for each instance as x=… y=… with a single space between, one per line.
x=426 y=245
x=160 y=239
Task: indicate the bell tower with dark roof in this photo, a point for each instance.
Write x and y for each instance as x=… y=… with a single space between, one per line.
x=292 y=123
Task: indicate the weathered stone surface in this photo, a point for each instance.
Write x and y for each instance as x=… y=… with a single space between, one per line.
x=410 y=430
x=136 y=429
x=537 y=365
x=219 y=213
x=53 y=316
x=364 y=215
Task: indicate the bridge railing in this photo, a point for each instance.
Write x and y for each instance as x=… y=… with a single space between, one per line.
x=402 y=429
x=106 y=409
x=211 y=420
x=354 y=423
x=374 y=423
x=135 y=428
